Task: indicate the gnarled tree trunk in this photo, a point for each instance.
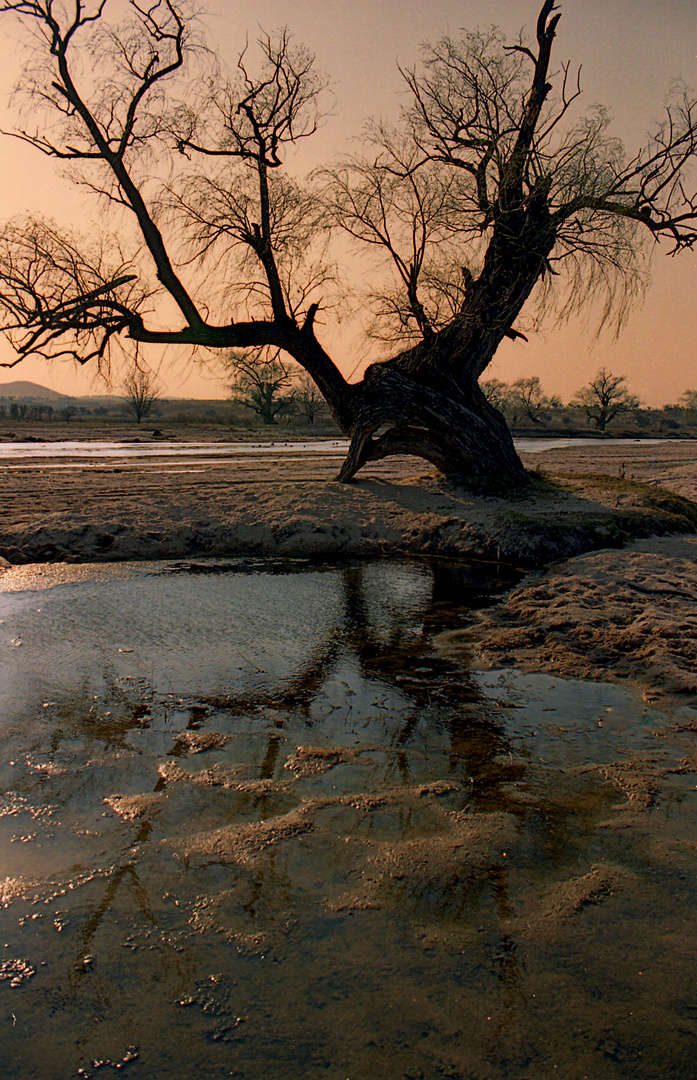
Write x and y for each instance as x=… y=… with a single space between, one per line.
x=427 y=401
x=528 y=195
x=459 y=432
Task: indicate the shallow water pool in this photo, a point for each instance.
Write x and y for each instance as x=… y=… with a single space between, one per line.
x=88 y=453
x=261 y=820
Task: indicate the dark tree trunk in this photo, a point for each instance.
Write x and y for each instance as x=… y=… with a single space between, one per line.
x=427 y=401
x=432 y=416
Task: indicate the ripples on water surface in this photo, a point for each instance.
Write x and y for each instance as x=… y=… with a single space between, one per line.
x=260 y=821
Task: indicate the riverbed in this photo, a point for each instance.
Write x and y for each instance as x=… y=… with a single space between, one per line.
x=261 y=819
x=284 y=502
x=94 y=452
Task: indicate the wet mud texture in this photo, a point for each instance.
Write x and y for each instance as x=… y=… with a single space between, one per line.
x=626 y=615
x=340 y=852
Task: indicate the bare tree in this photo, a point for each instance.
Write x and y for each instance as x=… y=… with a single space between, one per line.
x=688 y=401
x=308 y=399
x=501 y=396
x=487 y=202
x=532 y=400
x=606 y=397
x=258 y=381
x=140 y=391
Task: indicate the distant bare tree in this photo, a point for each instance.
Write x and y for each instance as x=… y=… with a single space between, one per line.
x=531 y=398
x=140 y=391
x=497 y=393
x=258 y=381
x=308 y=399
x=688 y=401
x=605 y=397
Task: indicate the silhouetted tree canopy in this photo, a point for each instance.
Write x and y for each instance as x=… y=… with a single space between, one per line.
x=606 y=397
x=261 y=383
x=140 y=391
x=308 y=400
x=688 y=400
x=531 y=400
x=492 y=196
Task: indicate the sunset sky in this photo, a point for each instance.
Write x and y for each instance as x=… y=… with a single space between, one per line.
x=629 y=51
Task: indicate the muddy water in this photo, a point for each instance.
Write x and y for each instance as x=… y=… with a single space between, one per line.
x=262 y=821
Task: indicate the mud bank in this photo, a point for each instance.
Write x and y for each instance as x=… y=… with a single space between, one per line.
x=626 y=614
x=620 y=605
x=612 y=614
x=291 y=507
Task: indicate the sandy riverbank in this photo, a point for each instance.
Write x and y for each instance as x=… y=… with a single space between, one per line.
x=627 y=613
x=602 y=611
x=286 y=503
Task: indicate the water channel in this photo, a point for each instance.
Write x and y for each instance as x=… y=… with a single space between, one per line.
x=85 y=452
x=261 y=819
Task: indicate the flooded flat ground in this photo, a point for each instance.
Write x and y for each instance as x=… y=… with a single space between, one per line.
x=259 y=819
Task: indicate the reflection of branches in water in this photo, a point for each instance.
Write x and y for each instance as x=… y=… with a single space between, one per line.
x=126 y=873
x=441 y=690
x=126 y=703
x=510 y=972
x=398 y=650
x=297 y=692
x=391 y=647
x=396 y=654
x=383 y=650
x=268 y=765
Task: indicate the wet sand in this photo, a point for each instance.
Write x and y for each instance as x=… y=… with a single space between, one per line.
x=605 y=614
x=288 y=504
x=626 y=613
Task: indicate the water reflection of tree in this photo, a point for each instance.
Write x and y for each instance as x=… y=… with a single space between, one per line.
x=441 y=690
x=394 y=651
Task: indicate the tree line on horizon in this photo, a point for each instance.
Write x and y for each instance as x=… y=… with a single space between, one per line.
x=274 y=390
x=602 y=400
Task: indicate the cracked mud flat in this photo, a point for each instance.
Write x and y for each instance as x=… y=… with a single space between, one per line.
x=271 y=824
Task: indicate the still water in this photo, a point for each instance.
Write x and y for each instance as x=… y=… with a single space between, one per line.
x=261 y=820
x=84 y=452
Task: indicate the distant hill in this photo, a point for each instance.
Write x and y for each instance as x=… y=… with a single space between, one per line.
x=29 y=391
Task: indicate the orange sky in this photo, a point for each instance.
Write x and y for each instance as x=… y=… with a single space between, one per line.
x=629 y=49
